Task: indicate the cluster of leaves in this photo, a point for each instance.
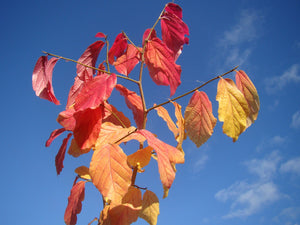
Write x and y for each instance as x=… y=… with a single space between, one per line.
x=94 y=124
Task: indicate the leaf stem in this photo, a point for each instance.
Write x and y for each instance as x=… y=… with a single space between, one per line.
x=191 y=91
x=72 y=60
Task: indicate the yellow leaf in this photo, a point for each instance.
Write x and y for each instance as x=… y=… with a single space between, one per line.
x=233 y=108
x=150 y=208
x=180 y=124
x=246 y=86
x=140 y=158
x=83 y=172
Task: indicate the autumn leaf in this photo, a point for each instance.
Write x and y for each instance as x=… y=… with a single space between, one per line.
x=54 y=134
x=42 y=79
x=88 y=126
x=233 y=108
x=199 y=119
x=246 y=86
x=118 y=48
x=166 y=155
x=74 y=203
x=140 y=158
x=126 y=62
x=161 y=64
x=150 y=207
x=75 y=151
x=110 y=134
x=59 y=159
x=100 y=35
x=127 y=212
x=173 y=29
x=111 y=114
x=95 y=92
x=133 y=102
x=66 y=119
x=110 y=172
x=89 y=58
x=164 y=114
x=83 y=172
x=181 y=136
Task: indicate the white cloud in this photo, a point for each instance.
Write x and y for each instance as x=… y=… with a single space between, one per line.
x=296 y=120
x=199 y=164
x=248 y=199
x=277 y=83
x=264 y=168
x=291 y=166
x=275 y=141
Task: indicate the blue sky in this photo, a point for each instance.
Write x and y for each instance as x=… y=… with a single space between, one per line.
x=253 y=181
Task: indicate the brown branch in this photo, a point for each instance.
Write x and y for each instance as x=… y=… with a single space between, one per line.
x=189 y=92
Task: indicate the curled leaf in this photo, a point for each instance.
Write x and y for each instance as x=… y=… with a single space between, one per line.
x=140 y=158
x=118 y=48
x=54 y=135
x=83 y=172
x=59 y=159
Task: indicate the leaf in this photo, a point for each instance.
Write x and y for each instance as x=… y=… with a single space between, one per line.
x=59 y=159
x=42 y=79
x=54 y=134
x=89 y=58
x=83 y=172
x=110 y=172
x=75 y=151
x=111 y=114
x=173 y=29
x=111 y=133
x=118 y=48
x=180 y=126
x=133 y=102
x=233 y=108
x=88 y=126
x=127 y=212
x=161 y=64
x=126 y=62
x=74 y=203
x=95 y=92
x=66 y=119
x=245 y=85
x=140 y=158
x=164 y=114
x=150 y=207
x=166 y=155
x=100 y=35
x=199 y=119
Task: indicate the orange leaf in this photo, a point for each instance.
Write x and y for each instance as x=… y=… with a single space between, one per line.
x=125 y=63
x=111 y=133
x=140 y=158
x=111 y=114
x=246 y=86
x=75 y=151
x=110 y=172
x=74 y=203
x=233 y=108
x=127 y=212
x=166 y=155
x=199 y=119
x=164 y=114
x=150 y=208
x=180 y=126
x=83 y=172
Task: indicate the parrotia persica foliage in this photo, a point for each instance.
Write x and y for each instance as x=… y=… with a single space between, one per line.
x=91 y=123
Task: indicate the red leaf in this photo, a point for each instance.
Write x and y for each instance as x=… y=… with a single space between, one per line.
x=54 y=135
x=89 y=58
x=74 y=203
x=126 y=62
x=95 y=92
x=42 y=79
x=161 y=64
x=166 y=155
x=133 y=102
x=199 y=119
x=88 y=126
x=100 y=35
x=59 y=159
x=66 y=119
x=173 y=29
x=118 y=48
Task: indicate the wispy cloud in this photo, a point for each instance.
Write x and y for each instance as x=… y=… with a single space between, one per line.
x=288 y=216
x=291 y=166
x=275 y=141
x=235 y=41
x=296 y=120
x=277 y=83
x=249 y=198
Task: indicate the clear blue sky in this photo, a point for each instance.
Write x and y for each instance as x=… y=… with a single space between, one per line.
x=253 y=181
